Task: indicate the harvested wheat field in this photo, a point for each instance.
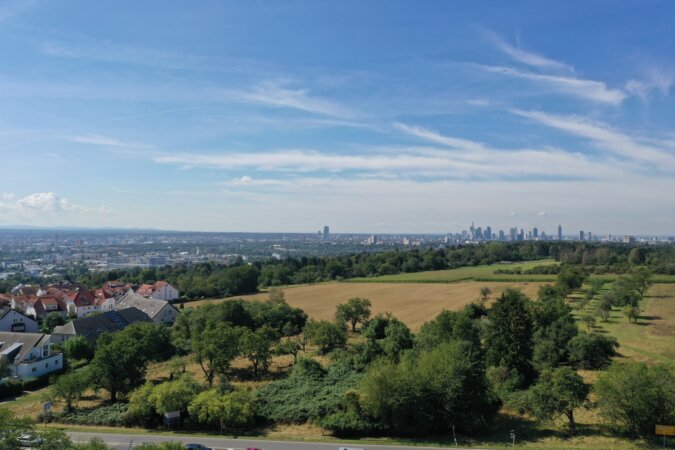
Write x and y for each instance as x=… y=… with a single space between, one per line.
x=413 y=303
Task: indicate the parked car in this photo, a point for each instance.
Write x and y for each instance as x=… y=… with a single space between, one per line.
x=197 y=447
x=30 y=440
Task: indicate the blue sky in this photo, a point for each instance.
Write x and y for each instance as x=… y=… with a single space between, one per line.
x=379 y=116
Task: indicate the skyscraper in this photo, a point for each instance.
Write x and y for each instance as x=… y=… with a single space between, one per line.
x=326 y=233
x=560 y=232
x=582 y=235
x=535 y=233
x=488 y=233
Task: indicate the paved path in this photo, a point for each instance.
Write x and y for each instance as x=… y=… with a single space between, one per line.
x=129 y=441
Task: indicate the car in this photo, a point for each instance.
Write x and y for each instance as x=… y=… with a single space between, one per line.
x=197 y=447
x=29 y=440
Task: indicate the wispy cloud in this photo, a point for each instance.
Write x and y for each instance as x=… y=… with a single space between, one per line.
x=605 y=137
x=592 y=90
x=10 y=8
x=438 y=138
x=105 y=51
x=526 y=57
x=655 y=80
x=277 y=94
x=106 y=141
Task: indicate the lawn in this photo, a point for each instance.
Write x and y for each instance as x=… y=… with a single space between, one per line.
x=479 y=273
x=413 y=303
x=652 y=339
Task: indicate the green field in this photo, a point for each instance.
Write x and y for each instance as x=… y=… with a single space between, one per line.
x=476 y=273
x=652 y=339
x=486 y=273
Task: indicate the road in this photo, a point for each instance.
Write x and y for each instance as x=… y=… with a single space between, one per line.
x=127 y=441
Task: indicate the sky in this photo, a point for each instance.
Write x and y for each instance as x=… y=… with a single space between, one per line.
x=367 y=116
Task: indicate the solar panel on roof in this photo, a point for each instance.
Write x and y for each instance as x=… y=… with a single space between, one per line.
x=115 y=317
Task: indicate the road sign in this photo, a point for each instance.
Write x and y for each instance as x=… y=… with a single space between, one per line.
x=665 y=430
x=46 y=406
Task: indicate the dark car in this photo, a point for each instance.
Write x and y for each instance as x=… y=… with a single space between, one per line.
x=197 y=447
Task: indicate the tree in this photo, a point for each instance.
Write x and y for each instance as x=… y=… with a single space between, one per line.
x=632 y=313
x=603 y=313
x=119 y=363
x=642 y=279
x=397 y=339
x=427 y=392
x=289 y=346
x=214 y=350
x=327 y=335
x=508 y=335
x=276 y=295
x=231 y=410
x=356 y=310
x=52 y=320
x=557 y=392
x=591 y=351
x=174 y=395
x=634 y=396
x=78 y=348
x=571 y=278
x=257 y=347
x=69 y=387
x=485 y=294
x=589 y=321
x=554 y=327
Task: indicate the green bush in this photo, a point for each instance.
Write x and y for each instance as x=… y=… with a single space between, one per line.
x=110 y=415
x=309 y=393
x=10 y=389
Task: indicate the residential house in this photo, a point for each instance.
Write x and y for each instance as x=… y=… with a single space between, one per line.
x=104 y=299
x=14 y=322
x=117 y=288
x=92 y=327
x=160 y=311
x=81 y=302
x=25 y=304
x=161 y=290
x=29 y=354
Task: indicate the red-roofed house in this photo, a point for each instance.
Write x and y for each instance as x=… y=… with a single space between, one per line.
x=81 y=302
x=161 y=290
x=105 y=300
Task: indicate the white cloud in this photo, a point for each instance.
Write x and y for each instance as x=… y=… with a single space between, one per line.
x=526 y=57
x=11 y=8
x=275 y=94
x=97 y=139
x=46 y=202
x=655 y=80
x=542 y=213
x=605 y=137
x=592 y=90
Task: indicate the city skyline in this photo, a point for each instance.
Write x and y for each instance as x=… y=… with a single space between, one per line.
x=404 y=118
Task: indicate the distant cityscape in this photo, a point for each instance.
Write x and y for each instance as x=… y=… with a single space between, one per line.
x=46 y=252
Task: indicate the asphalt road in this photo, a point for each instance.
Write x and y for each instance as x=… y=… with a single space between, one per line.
x=129 y=441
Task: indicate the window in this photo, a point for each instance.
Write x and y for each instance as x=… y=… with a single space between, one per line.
x=34 y=369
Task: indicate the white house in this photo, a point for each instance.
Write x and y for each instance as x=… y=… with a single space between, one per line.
x=160 y=311
x=161 y=290
x=81 y=302
x=14 y=322
x=29 y=354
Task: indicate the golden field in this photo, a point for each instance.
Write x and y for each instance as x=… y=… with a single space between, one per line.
x=413 y=303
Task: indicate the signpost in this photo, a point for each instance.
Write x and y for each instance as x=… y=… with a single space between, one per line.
x=665 y=430
x=513 y=438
